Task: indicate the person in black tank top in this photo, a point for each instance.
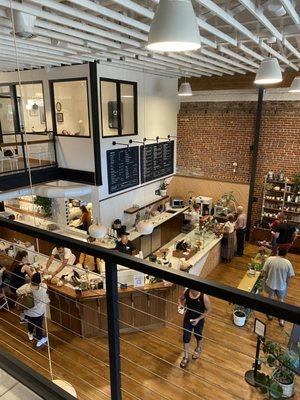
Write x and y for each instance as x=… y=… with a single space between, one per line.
x=197 y=308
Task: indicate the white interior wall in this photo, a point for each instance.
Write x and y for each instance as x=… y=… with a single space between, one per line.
x=157 y=116
x=69 y=149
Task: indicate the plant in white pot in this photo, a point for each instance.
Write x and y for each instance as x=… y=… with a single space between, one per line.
x=284 y=363
x=240 y=315
x=163 y=188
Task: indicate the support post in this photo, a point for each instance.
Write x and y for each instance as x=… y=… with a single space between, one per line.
x=254 y=159
x=111 y=277
x=250 y=376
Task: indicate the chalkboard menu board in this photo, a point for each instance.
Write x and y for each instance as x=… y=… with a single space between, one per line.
x=122 y=168
x=157 y=160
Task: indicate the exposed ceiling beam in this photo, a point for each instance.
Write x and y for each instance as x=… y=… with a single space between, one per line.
x=291 y=11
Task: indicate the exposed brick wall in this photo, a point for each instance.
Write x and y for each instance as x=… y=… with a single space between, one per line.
x=214 y=134
x=211 y=136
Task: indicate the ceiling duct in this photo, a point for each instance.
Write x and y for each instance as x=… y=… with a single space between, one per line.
x=276 y=8
x=23 y=24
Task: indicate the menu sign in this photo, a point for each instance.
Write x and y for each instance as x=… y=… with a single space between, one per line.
x=157 y=160
x=122 y=168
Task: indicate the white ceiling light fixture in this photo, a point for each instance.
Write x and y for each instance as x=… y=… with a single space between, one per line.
x=185 y=89
x=295 y=86
x=174 y=27
x=269 y=72
x=97 y=231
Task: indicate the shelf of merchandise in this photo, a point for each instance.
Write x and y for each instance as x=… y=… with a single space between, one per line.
x=282 y=203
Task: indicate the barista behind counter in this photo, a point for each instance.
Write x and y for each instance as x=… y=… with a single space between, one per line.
x=124 y=245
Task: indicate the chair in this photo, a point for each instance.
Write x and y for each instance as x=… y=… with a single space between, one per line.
x=3 y=298
x=4 y=158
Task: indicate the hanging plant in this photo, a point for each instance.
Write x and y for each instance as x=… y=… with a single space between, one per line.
x=46 y=203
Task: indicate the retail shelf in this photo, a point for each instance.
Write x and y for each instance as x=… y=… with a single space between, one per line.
x=292 y=202
x=292 y=212
x=21 y=211
x=277 y=201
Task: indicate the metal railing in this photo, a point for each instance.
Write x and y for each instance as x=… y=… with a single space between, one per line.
x=129 y=374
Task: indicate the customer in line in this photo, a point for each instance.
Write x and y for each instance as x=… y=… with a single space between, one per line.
x=86 y=218
x=286 y=234
x=240 y=227
x=20 y=269
x=274 y=235
x=228 y=239
x=278 y=271
x=64 y=255
x=35 y=315
x=89 y=262
x=197 y=308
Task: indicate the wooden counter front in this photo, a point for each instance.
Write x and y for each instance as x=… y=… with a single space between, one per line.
x=86 y=314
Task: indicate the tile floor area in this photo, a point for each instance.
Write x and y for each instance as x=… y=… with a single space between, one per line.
x=10 y=389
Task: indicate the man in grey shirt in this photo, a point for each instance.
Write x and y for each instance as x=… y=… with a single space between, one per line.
x=278 y=271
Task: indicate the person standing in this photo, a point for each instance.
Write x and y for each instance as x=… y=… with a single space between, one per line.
x=227 y=241
x=286 y=234
x=89 y=262
x=35 y=315
x=20 y=269
x=197 y=308
x=124 y=245
x=64 y=255
x=240 y=227
x=278 y=271
x=274 y=226
x=86 y=218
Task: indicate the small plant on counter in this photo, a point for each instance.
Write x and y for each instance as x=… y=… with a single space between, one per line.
x=284 y=362
x=163 y=188
x=45 y=203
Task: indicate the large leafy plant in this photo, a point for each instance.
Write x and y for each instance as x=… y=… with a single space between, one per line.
x=284 y=363
x=46 y=203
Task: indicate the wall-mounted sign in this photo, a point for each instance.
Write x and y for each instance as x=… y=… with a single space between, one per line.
x=122 y=168
x=157 y=160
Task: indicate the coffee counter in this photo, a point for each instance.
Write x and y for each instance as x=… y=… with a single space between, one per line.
x=85 y=314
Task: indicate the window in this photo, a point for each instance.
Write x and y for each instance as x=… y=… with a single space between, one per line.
x=118 y=108
x=70 y=107
x=30 y=98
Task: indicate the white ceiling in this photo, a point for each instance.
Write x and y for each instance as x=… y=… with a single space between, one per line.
x=234 y=36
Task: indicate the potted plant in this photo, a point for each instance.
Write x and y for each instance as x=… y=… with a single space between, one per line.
x=296 y=182
x=241 y=315
x=163 y=188
x=45 y=203
x=284 y=362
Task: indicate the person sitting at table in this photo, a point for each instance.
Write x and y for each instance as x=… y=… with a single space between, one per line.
x=89 y=262
x=64 y=255
x=20 y=269
x=124 y=245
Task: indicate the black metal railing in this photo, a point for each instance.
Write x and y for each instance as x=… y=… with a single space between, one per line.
x=112 y=259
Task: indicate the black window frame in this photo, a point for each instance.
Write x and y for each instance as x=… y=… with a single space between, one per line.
x=135 y=106
x=53 y=109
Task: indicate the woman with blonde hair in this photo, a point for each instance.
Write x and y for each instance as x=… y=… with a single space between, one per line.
x=228 y=239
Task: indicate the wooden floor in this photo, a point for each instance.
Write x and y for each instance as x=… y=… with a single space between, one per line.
x=150 y=360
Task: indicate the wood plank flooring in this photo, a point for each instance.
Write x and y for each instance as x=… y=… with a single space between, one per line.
x=150 y=360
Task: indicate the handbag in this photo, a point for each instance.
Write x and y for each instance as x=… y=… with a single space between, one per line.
x=25 y=302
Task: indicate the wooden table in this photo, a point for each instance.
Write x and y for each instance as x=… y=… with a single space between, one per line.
x=248 y=282
x=86 y=314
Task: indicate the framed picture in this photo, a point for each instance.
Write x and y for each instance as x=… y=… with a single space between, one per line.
x=59 y=117
x=58 y=106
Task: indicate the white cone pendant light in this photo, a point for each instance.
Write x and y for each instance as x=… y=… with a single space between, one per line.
x=295 y=86
x=145 y=227
x=97 y=231
x=185 y=89
x=269 y=72
x=174 y=27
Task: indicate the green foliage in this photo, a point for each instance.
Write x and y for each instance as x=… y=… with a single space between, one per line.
x=46 y=203
x=296 y=182
x=163 y=185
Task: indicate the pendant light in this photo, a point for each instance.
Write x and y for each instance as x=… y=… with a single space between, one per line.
x=295 y=86
x=174 y=27
x=269 y=72
x=185 y=89
x=97 y=231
